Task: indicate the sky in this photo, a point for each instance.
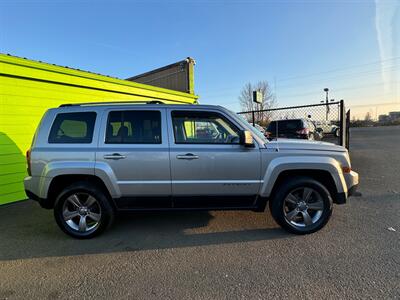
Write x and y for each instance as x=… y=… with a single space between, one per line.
x=299 y=47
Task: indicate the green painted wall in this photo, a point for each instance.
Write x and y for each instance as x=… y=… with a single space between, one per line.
x=28 y=88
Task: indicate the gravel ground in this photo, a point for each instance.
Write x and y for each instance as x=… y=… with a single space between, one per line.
x=219 y=255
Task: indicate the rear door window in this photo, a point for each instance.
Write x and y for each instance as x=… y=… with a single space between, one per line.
x=133 y=127
x=73 y=128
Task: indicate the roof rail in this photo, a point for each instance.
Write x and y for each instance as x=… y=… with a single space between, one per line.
x=113 y=102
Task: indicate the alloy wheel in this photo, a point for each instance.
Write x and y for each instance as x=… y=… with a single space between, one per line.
x=82 y=212
x=303 y=207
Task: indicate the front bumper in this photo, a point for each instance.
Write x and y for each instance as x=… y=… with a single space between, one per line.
x=352 y=191
x=352 y=182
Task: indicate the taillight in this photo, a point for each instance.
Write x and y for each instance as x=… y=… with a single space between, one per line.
x=28 y=161
x=303 y=131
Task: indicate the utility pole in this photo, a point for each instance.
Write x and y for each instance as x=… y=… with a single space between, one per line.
x=326 y=90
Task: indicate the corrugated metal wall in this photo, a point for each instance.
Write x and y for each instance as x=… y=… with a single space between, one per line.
x=178 y=76
x=28 y=88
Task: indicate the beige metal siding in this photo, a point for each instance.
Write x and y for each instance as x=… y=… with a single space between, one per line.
x=177 y=76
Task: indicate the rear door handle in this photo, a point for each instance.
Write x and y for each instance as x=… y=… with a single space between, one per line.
x=115 y=156
x=188 y=156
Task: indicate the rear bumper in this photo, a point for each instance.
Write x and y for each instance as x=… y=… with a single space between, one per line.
x=289 y=136
x=31 y=185
x=32 y=196
x=43 y=202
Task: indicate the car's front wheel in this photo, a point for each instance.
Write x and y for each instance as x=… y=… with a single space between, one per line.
x=301 y=205
x=83 y=211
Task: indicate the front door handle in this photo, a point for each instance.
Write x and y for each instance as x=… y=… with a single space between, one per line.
x=114 y=156
x=188 y=156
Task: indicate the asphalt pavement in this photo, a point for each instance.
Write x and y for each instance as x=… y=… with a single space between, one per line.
x=219 y=255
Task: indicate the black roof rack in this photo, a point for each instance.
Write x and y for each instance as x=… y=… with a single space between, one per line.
x=113 y=102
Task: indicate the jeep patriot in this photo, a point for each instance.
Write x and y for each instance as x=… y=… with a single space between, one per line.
x=89 y=161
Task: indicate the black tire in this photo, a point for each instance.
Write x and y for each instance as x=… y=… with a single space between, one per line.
x=105 y=210
x=337 y=132
x=277 y=204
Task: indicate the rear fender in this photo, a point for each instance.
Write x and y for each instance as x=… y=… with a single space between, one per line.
x=58 y=168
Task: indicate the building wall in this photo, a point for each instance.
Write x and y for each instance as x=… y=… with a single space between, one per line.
x=28 y=88
x=394 y=115
x=178 y=76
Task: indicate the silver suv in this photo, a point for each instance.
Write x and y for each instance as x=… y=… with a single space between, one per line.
x=89 y=161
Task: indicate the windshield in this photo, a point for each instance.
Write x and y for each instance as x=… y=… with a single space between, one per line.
x=254 y=130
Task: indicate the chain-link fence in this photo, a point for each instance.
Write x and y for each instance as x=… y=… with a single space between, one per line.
x=323 y=122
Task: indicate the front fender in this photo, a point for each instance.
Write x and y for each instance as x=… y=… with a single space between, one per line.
x=322 y=163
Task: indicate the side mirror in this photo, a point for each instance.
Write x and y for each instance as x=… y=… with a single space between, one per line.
x=246 y=139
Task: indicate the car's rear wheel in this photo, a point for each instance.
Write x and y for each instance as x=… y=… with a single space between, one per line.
x=83 y=211
x=337 y=132
x=301 y=205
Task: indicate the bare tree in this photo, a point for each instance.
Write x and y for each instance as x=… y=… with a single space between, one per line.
x=268 y=101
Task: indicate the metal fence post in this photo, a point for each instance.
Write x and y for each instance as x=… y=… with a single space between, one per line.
x=348 y=129
x=253 y=116
x=342 y=124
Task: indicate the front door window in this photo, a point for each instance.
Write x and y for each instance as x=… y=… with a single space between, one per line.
x=203 y=128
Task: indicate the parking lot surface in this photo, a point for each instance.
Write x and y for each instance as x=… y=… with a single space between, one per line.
x=219 y=255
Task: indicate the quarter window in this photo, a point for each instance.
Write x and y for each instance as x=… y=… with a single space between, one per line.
x=134 y=127
x=203 y=128
x=73 y=128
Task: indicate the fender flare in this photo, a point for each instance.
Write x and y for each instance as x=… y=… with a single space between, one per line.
x=320 y=163
x=59 y=168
